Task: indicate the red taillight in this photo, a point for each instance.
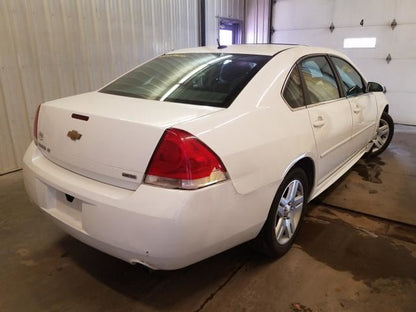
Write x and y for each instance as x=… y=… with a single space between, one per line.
x=35 y=124
x=182 y=161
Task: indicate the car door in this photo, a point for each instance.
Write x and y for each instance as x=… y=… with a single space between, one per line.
x=363 y=105
x=330 y=115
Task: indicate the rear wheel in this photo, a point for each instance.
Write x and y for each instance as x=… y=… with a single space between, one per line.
x=384 y=135
x=286 y=214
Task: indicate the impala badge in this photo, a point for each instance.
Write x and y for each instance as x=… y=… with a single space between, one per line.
x=74 y=135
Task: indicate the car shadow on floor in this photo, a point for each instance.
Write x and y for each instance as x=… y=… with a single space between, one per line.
x=160 y=289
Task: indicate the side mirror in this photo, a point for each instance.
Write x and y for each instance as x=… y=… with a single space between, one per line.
x=375 y=87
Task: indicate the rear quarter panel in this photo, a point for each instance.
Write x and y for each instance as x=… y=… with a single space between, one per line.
x=259 y=137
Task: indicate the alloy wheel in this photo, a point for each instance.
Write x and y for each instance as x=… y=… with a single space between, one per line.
x=381 y=136
x=289 y=211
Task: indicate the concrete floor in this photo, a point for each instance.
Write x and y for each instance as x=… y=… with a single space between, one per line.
x=343 y=260
x=384 y=186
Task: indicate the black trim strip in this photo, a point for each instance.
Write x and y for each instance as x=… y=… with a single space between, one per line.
x=80 y=117
x=202 y=23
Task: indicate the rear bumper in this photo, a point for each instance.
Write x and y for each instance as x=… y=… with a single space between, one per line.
x=157 y=227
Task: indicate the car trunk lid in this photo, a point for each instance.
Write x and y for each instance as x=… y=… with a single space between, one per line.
x=106 y=137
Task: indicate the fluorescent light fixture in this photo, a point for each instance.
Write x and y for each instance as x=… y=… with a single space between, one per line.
x=352 y=43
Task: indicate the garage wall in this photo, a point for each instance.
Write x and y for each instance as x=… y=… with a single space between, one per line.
x=56 y=48
x=214 y=9
x=257 y=21
x=308 y=21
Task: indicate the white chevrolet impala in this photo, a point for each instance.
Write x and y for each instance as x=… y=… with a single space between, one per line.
x=199 y=150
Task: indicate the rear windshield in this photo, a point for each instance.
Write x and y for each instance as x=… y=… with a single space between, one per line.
x=212 y=79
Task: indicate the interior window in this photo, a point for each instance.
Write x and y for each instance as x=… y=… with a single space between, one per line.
x=293 y=92
x=319 y=79
x=351 y=79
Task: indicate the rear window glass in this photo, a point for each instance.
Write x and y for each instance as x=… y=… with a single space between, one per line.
x=212 y=79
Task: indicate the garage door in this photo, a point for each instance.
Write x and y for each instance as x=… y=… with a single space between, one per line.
x=308 y=22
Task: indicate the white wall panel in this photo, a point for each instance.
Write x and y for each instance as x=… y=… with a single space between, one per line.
x=374 y=12
x=257 y=21
x=308 y=21
x=302 y=14
x=14 y=108
x=7 y=159
x=214 y=9
x=55 y=48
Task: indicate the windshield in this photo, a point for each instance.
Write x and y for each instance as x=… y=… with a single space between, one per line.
x=212 y=79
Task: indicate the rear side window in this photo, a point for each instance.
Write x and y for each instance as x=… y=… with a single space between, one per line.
x=293 y=92
x=352 y=81
x=212 y=79
x=319 y=78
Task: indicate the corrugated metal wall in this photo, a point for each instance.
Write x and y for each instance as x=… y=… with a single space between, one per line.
x=214 y=9
x=257 y=21
x=51 y=49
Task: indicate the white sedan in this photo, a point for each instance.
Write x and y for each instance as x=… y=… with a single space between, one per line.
x=202 y=149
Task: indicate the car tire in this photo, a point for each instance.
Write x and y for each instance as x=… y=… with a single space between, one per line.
x=285 y=215
x=384 y=135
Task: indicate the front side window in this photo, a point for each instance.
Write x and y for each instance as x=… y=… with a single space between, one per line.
x=212 y=79
x=293 y=92
x=319 y=78
x=351 y=79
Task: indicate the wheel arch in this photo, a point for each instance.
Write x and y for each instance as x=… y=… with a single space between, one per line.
x=264 y=241
x=308 y=166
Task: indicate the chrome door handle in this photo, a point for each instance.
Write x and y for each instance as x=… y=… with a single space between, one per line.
x=318 y=123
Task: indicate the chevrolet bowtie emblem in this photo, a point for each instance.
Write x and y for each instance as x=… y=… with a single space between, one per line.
x=74 y=135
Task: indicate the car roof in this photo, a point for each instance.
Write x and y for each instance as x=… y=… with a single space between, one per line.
x=259 y=49
x=270 y=49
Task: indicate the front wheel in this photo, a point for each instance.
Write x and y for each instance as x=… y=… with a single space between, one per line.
x=383 y=136
x=286 y=214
